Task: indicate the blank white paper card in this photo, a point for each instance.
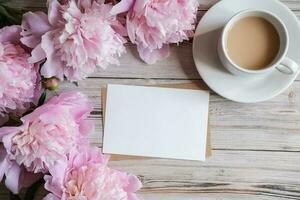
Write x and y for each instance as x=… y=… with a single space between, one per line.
x=156 y=122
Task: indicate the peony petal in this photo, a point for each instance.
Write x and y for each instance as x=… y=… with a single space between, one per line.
x=7 y=141
x=37 y=54
x=85 y=4
x=132 y=196
x=58 y=172
x=122 y=6
x=54 y=14
x=86 y=127
x=10 y=34
x=53 y=65
x=99 y=1
x=92 y=154
x=139 y=6
x=47 y=44
x=34 y=25
x=50 y=197
x=120 y=29
x=96 y=155
x=30 y=41
x=152 y=56
x=131 y=30
x=4 y=163
x=4 y=131
x=36 y=22
x=12 y=177
x=73 y=10
x=52 y=185
x=134 y=184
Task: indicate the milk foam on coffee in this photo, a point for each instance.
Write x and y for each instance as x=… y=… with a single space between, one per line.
x=253 y=43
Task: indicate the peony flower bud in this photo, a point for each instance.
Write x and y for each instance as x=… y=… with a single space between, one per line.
x=51 y=83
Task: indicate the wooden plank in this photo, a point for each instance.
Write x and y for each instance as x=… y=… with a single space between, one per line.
x=190 y=196
x=247 y=175
x=179 y=65
x=208 y=196
x=228 y=172
x=292 y=4
x=271 y=125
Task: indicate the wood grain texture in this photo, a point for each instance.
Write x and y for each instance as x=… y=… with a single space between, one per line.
x=256 y=147
x=234 y=126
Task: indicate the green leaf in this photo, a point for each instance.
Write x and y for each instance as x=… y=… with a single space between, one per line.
x=9 y=16
x=32 y=190
x=14 y=121
x=42 y=98
x=76 y=83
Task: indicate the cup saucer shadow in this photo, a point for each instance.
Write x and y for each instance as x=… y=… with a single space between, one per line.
x=184 y=55
x=207 y=51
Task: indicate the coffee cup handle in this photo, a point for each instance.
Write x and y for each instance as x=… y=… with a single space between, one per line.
x=288 y=66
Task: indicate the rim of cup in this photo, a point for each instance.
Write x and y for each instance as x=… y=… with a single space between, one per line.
x=247 y=13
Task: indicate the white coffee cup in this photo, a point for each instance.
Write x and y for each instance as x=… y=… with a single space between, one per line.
x=281 y=62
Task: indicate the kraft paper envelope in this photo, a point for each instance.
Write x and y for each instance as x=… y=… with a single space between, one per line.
x=193 y=86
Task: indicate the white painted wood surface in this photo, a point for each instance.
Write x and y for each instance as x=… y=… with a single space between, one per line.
x=256 y=147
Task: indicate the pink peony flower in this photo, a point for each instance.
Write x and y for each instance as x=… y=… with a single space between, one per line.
x=49 y=134
x=153 y=24
x=88 y=178
x=19 y=80
x=76 y=37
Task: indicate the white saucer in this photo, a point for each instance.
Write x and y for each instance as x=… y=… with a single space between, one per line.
x=236 y=88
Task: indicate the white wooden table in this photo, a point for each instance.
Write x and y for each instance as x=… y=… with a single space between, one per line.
x=256 y=147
